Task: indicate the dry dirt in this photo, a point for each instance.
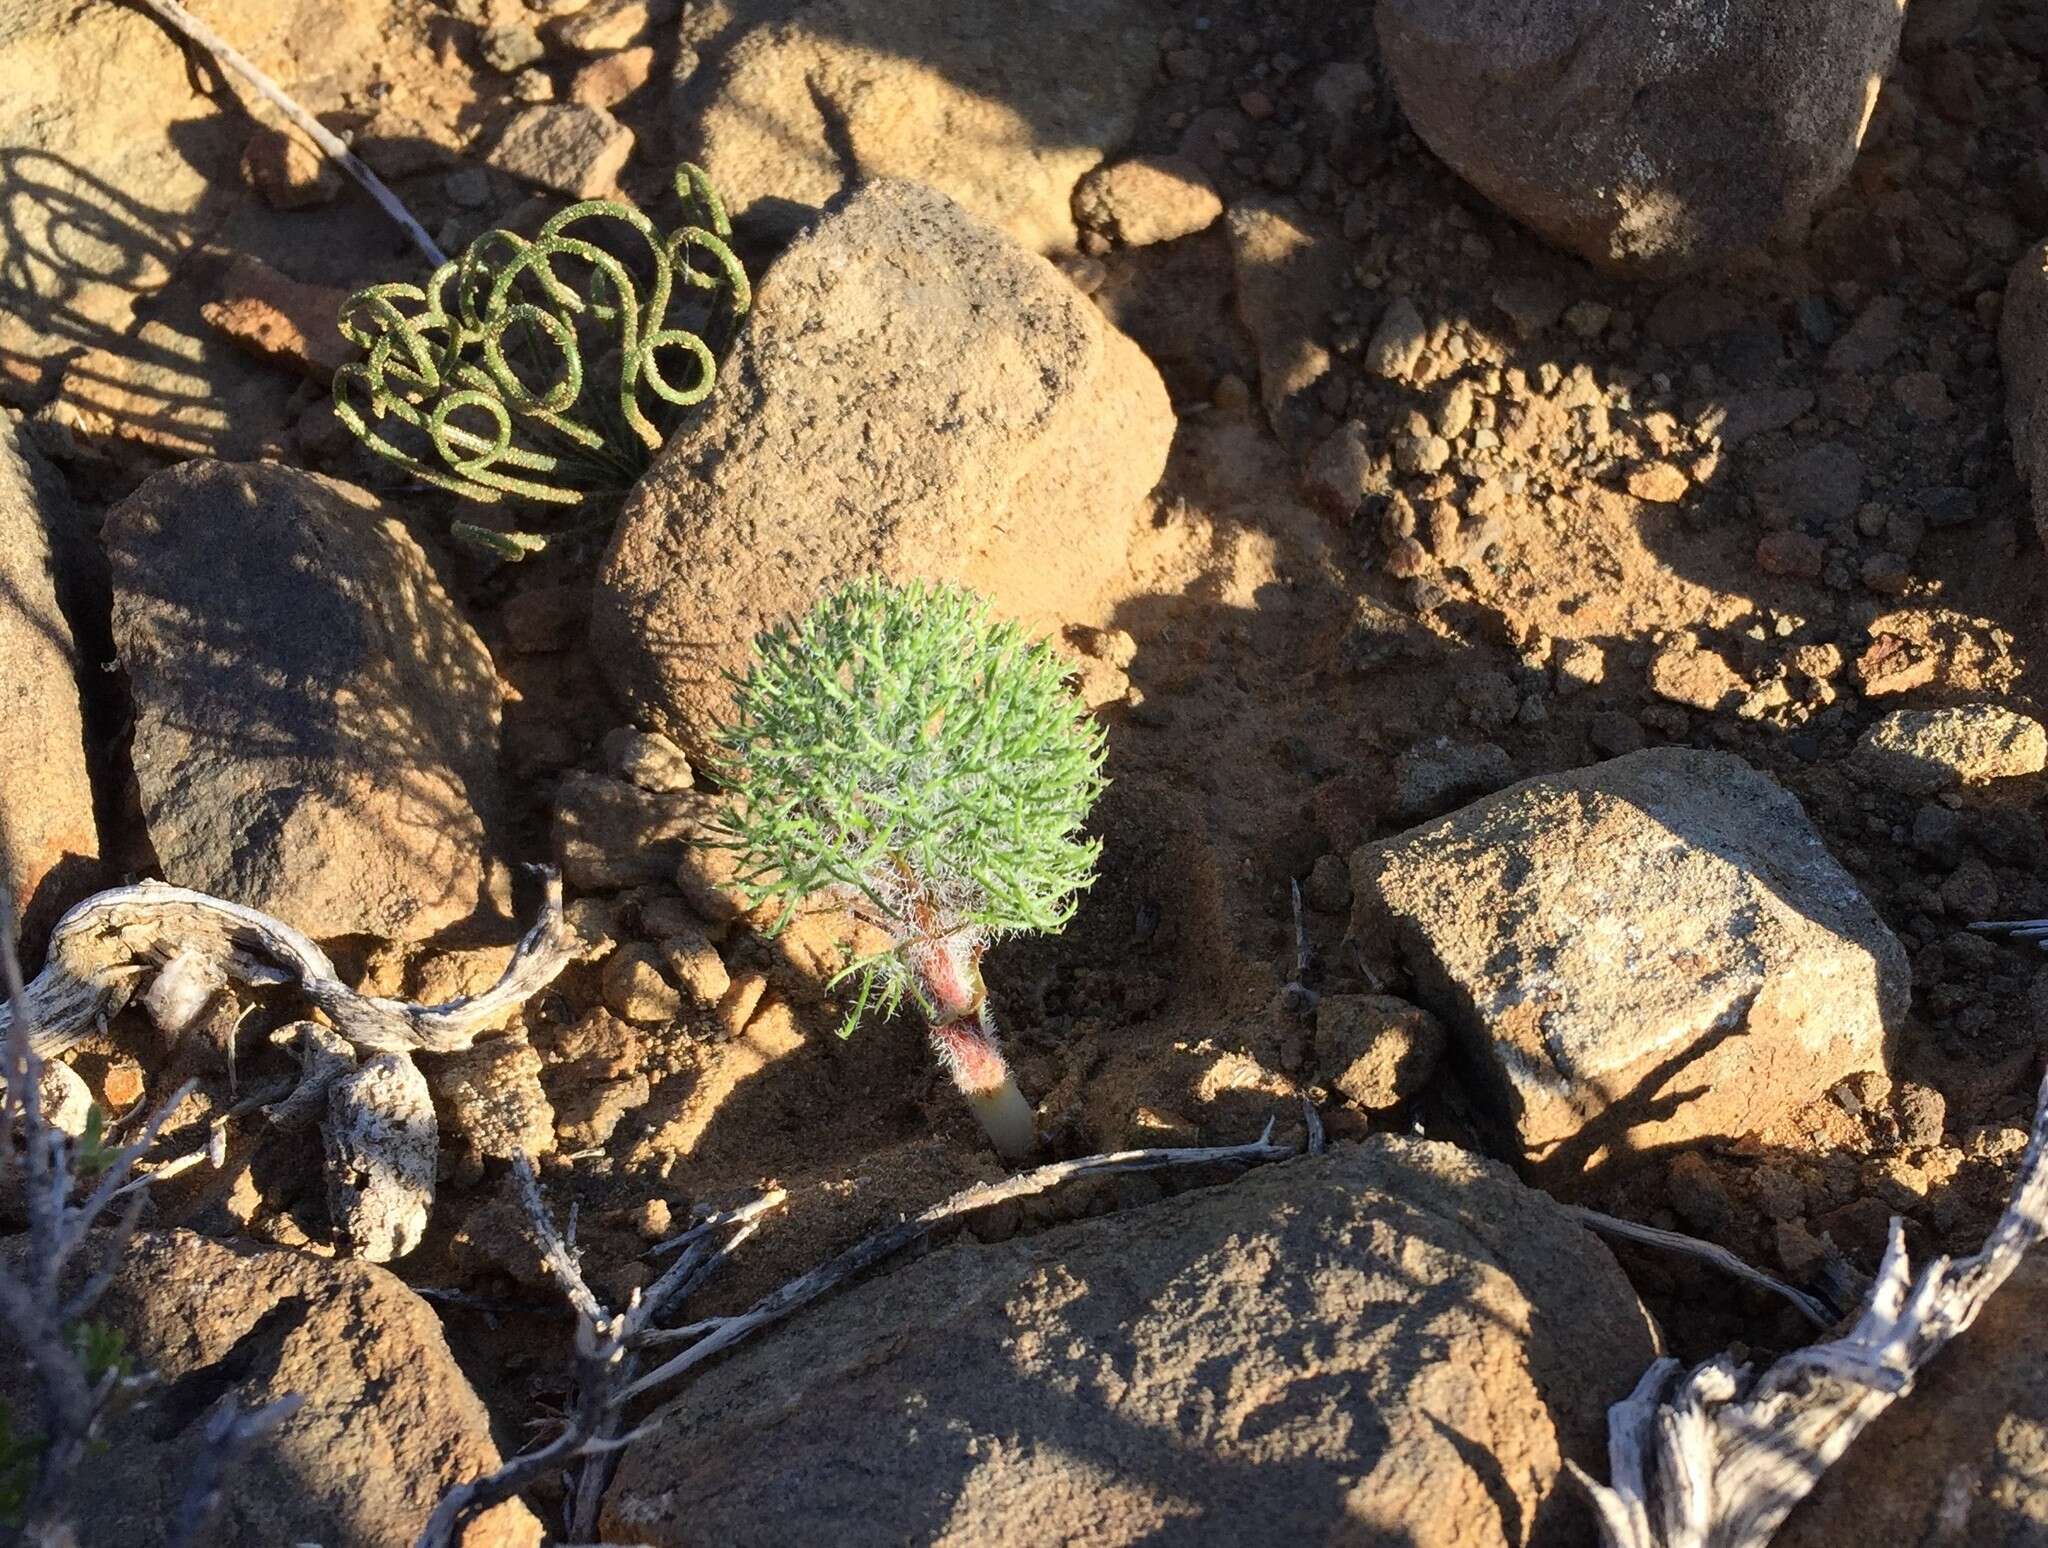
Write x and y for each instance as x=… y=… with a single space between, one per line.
x=1269 y=710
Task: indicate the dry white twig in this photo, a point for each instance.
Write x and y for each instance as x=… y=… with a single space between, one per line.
x=1718 y=1457
x=2032 y=932
x=193 y=28
x=593 y=1431
x=1810 y=1307
x=230 y=1434
x=104 y=945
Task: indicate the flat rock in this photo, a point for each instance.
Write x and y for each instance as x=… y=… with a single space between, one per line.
x=1653 y=949
x=1003 y=107
x=316 y=727
x=2023 y=351
x=1396 y=1336
x=1647 y=137
x=565 y=147
x=118 y=165
x=913 y=395
x=279 y=319
x=1147 y=199
x=1924 y=752
x=1962 y=1458
x=50 y=835
x=387 y=1423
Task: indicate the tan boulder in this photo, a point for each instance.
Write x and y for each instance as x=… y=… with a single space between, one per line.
x=1394 y=1342
x=1653 y=949
x=913 y=395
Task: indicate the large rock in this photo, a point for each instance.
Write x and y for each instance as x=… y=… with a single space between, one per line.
x=316 y=727
x=1397 y=1343
x=49 y=839
x=387 y=1421
x=1645 y=136
x=1653 y=949
x=1963 y=1458
x=914 y=395
x=1003 y=106
x=2023 y=350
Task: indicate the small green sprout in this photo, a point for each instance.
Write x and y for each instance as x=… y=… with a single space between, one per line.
x=899 y=749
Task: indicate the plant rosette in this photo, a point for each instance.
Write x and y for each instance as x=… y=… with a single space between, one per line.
x=899 y=749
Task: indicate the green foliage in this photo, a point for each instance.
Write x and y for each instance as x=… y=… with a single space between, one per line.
x=101 y=1349
x=537 y=369
x=900 y=746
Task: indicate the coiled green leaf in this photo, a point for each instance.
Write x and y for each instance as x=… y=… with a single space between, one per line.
x=544 y=369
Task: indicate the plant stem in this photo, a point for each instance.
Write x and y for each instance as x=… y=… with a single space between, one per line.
x=968 y=1049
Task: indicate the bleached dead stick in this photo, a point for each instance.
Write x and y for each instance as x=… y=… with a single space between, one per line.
x=101 y=947
x=592 y=1432
x=229 y=1436
x=1811 y=1309
x=1717 y=1458
x=193 y=28
x=2032 y=932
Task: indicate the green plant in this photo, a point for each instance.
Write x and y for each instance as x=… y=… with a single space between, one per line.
x=505 y=378
x=899 y=748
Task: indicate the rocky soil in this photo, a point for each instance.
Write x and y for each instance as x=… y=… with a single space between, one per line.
x=1566 y=502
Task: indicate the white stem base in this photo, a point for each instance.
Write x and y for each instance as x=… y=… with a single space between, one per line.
x=1007 y=1119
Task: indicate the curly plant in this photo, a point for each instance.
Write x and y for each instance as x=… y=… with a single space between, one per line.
x=899 y=748
x=545 y=369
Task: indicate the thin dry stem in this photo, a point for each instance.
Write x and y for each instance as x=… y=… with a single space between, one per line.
x=71 y=1404
x=175 y=15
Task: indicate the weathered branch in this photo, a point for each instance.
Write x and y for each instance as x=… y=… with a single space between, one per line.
x=101 y=947
x=175 y=15
x=1718 y=1457
x=229 y=1436
x=1812 y=1309
x=592 y=1432
x=2031 y=932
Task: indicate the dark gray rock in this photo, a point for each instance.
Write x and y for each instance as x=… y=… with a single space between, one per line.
x=1646 y=136
x=316 y=727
